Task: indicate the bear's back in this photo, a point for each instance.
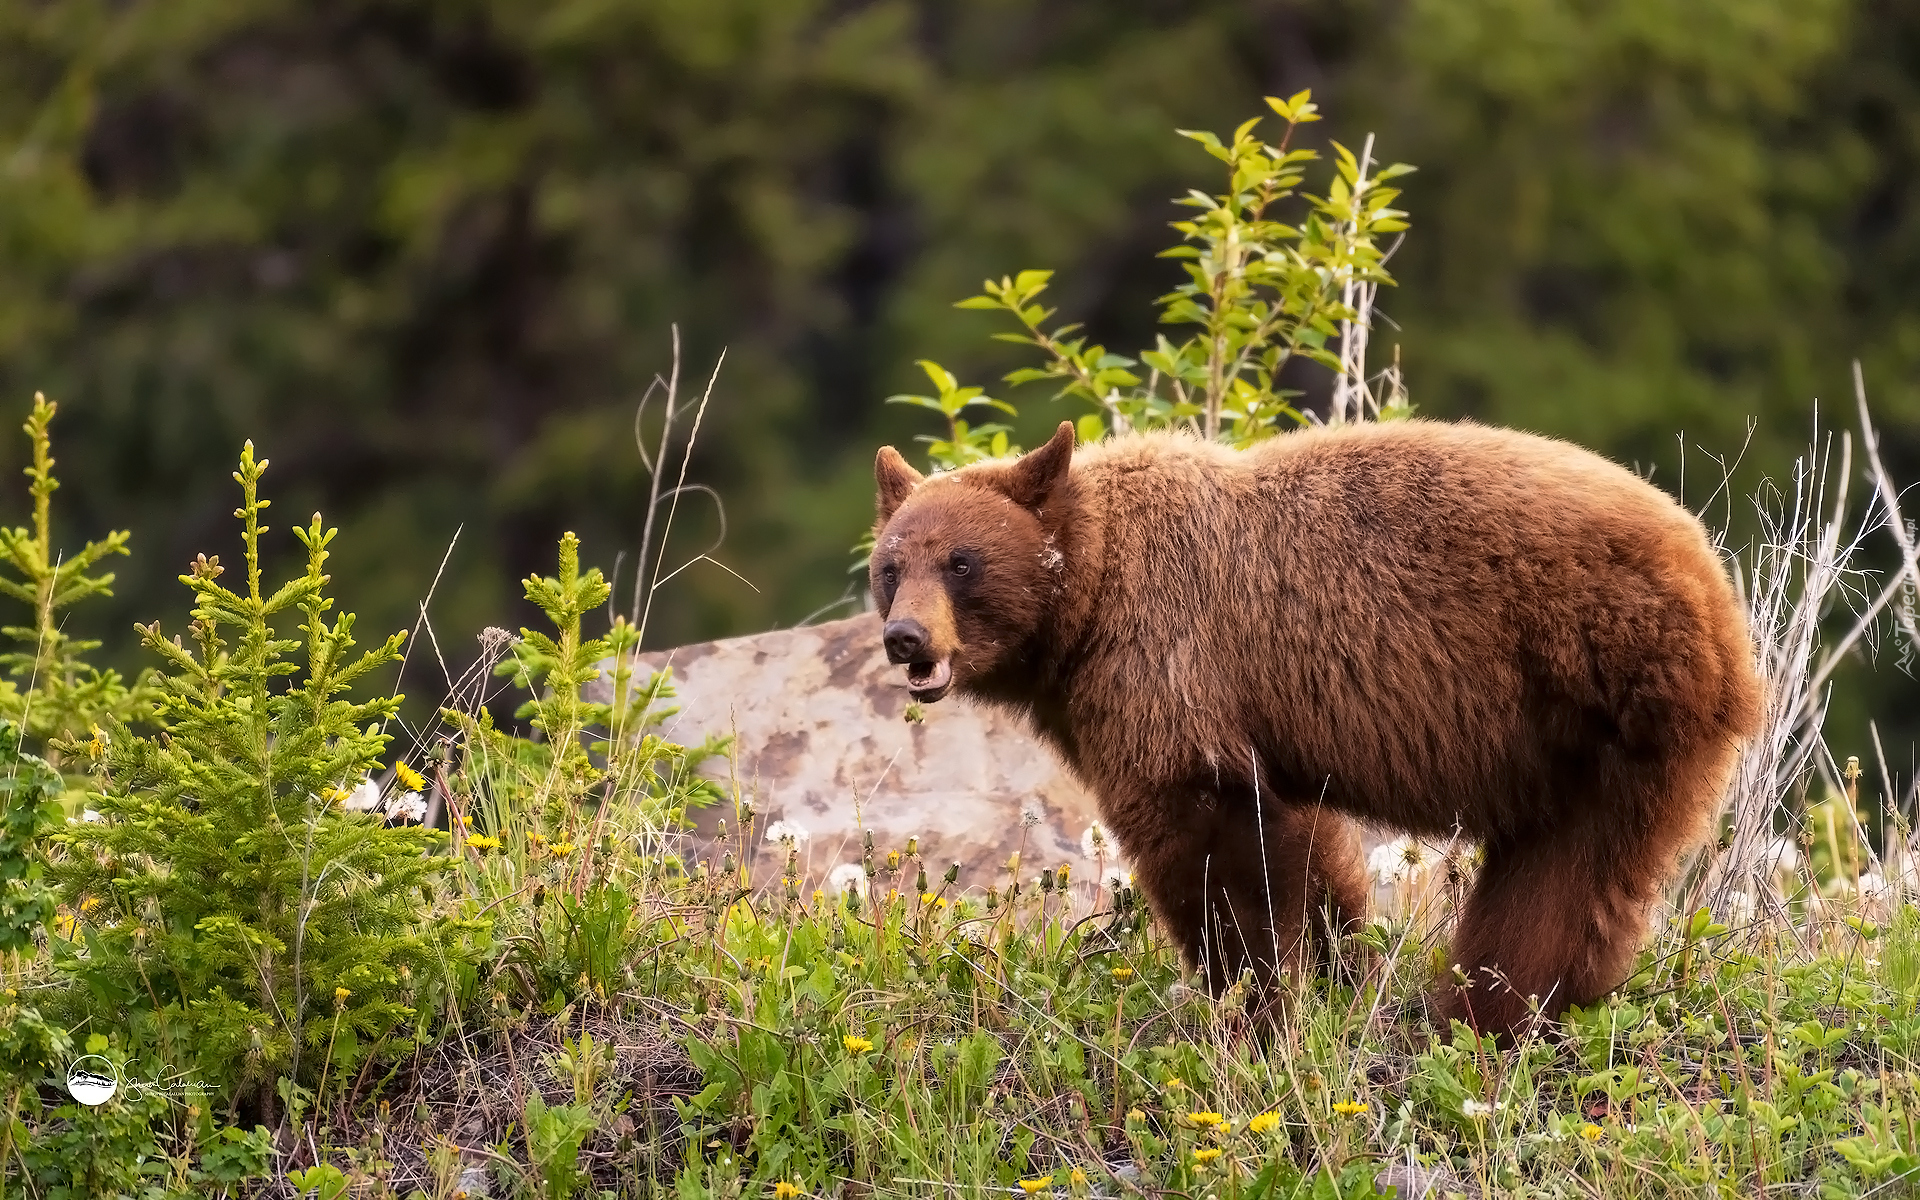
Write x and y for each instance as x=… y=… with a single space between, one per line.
x=1465 y=601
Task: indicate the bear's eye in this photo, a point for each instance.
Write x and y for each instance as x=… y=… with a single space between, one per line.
x=889 y=576
x=959 y=565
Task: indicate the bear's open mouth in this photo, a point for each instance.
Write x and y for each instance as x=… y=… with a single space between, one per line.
x=929 y=680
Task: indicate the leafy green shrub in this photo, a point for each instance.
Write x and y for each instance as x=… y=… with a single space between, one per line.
x=1262 y=291
x=143 y=1142
x=260 y=929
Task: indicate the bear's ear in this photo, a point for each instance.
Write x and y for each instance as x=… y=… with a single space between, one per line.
x=1038 y=472
x=895 y=479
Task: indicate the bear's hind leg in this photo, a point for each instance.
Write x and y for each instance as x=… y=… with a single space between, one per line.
x=1540 y=924
x=1560 y=912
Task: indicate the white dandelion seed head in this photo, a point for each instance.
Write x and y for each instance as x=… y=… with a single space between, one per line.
x=408 y=806
x=1401 y=859
x=1117 y=877
x=791 y=834
x=365 y=798
x=1096 y=842
x=1479 y=1109
x=847 y=877
x=1872 y=884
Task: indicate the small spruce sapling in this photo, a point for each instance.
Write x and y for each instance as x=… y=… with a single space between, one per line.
x=248 y=916
x=50 y=690
x=594 y=750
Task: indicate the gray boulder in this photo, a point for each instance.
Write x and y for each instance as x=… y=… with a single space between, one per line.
x=822 y=743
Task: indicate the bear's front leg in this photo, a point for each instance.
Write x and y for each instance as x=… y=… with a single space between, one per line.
x=1234 y=900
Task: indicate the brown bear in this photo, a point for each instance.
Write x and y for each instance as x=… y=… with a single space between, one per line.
x=1424 y=626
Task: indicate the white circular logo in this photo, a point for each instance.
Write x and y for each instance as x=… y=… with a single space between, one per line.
x=92 y=1081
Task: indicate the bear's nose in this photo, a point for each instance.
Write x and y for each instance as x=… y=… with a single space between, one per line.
x=906 y=640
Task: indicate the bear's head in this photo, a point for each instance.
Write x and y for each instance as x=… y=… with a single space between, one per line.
x=965 y=564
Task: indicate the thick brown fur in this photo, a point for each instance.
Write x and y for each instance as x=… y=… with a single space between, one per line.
x=1417 y=625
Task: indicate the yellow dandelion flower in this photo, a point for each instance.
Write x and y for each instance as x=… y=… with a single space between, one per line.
x=466 y=822
x=65 y=923
x=89 y=904
x=893 y=860
x=1077 y=1178
x=1592 y=1133
x=926 y=899
x=1266 y=1122
x=1350 y=1108
x=1123 y=972
x=1207 y=1155
x=819 y=897
x=1205 y=1120
x=856 y=1045
x=940 y=903
x=1064 y=868
x=340 y=995
x=97 y=744
x=1030 y=1186
x=562 y=849
x=481 y=841
x=1173 y=1085
x=1134 y=1114
x=409 y=778
x=785 y=1191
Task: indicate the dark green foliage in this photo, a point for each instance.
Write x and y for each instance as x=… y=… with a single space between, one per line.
x=29 y=806
x=243 y=913
x=426 y=254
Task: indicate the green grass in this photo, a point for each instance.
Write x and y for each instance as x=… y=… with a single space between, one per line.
x=586 y=1015
x=913 y=1047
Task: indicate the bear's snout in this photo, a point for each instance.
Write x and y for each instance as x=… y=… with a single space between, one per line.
x=906 y=640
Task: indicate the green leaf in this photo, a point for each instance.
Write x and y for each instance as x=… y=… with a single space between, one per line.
x=941 y=378
x=918 y=401
x=1031 y=282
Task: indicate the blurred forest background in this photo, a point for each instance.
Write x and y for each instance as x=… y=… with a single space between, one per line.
x=426 y=253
